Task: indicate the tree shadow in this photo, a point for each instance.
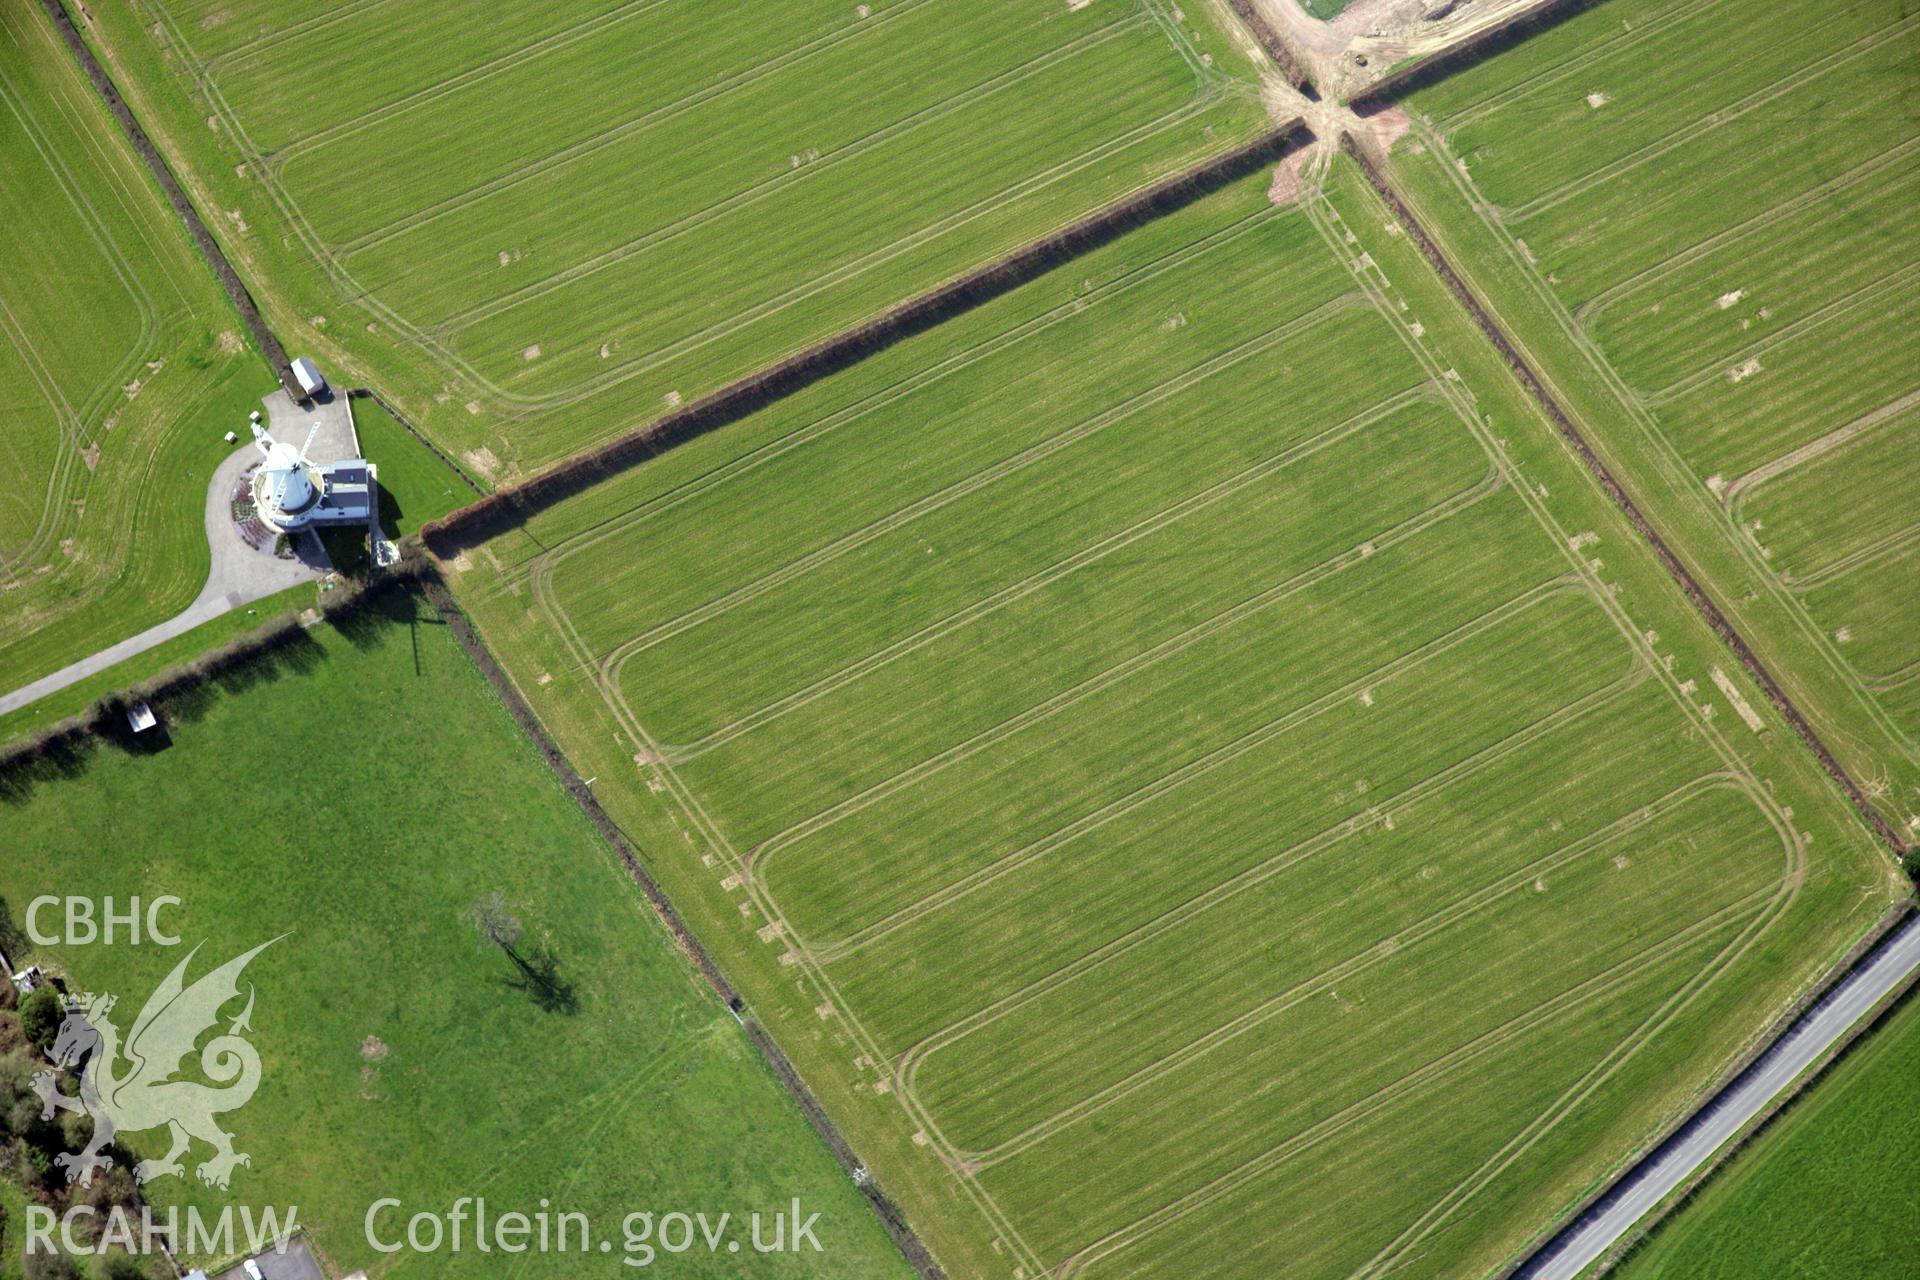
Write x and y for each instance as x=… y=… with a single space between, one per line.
x=537 y=975
x=365 y=620
x=393 y=516
x=346 y=550
x=61 y=756
x=182 y=696
x=512 y=507
x=185 y=696
x=186 y=693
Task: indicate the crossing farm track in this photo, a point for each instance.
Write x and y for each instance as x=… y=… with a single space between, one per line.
x=766 y=176
x=1170 y=803
x=1722 y=287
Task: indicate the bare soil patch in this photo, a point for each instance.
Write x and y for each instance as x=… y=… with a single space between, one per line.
x=483 y=460
x=1288 y=182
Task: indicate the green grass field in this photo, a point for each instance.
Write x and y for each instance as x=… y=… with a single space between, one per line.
x=1724 y=283
x=1825 y=1192
x=415 y=486
x=1189 y=765
x=399 y=1059
x=699 y=191
x=121 y=365
x=13 y=1208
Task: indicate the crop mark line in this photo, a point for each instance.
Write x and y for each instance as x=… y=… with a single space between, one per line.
x=438 y=351
x=1005 y=340
x=583 y=30
x=1660 y=449
x=1147 y=793
x=703 y=823
x=1762 y=799
x=67 y=429
x=978 y=609
x=1832 y=440
x=1358 y=962
x=628 y=370
x=1859 y=175
x=1782 y=895
x=1066 y=698
x=689 y=803
x=1372 y=278
x=612 y=135
x=1795 y=851
x=1412 y=1083
x=608 y=137
x=1412 y=796
x=668 y=1042
x=856 y=267
x=1706 y=124
x=281 y=34
x=71 y=423
x=708 y=831
x=1902 y=676
x=791 y=177
x=1010 y=465
x=1880 y=549
x=1598 y=52
x=1837 y=309
x=1153 y=789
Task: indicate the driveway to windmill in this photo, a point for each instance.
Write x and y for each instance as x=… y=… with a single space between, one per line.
x=239 y=576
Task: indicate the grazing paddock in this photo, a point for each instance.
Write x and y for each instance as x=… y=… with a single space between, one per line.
x=1194 y=772
x=120 y=366
x=544 y=225
x=1726 y=282
x=401 y=1056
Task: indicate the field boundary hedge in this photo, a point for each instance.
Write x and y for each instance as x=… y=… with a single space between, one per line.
x=1277 y=48
x=1695 y=593
x=569 y=778
x=511 y=506
x=176 y=195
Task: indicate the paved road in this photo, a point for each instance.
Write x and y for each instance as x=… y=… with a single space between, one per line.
x=1670 y=1164
x=239 y=575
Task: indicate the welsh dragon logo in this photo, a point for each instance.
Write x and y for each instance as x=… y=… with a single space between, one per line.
x=133 y=1087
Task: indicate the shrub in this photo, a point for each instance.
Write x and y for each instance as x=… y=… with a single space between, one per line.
x=121 y=1266
x=50 y=1266
x=41 y=1014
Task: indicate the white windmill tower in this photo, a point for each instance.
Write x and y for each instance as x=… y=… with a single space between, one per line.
x=288 y=486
